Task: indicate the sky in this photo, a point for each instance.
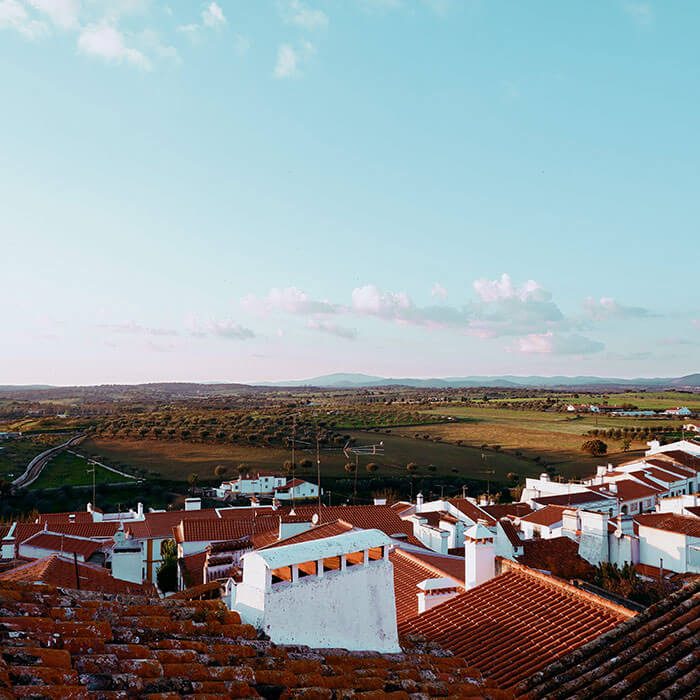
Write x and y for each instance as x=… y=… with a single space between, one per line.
x=245 y=191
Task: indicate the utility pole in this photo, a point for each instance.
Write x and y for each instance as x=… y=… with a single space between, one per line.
x=294 y=433
x=93 y=485
x=354 y=495
x=318 y=471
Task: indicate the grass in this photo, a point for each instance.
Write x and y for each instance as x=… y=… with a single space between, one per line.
x=176 y=460
x=16 y=454
x=555 y=437
x=68 y=469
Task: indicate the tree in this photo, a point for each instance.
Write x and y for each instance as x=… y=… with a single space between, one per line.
x=512 y=476
x=594 y=447
x=626 y=444
x=220 y=470
x=242 y=469
x=192 y=480
x=349 y=467
x=411 y=467
x=372 y=467
x=166 y=574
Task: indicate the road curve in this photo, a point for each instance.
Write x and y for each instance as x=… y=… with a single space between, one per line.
x=35 y=467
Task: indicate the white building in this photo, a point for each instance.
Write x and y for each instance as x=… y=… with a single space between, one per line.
x=258 y=483
x=678 y=411
x=669 y=542
x=327 y=593
x=296 y=489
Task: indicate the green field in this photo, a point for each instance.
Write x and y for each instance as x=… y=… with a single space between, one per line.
x=555 y=437
x=16 y=454
x=68 y=469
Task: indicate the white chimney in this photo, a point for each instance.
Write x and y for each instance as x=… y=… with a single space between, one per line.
x=335 y=592
x=419 y=502
x=127 y=560
x=8 y=543
x=193 y=504
x=479 y=555
x=434 y=591
x=380 y=501
x=610 y=467
x=613 y=487
x=139 y=510
x=544 y=476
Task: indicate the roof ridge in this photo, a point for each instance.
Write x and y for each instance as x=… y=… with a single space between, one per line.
x=567 y=587
x=427 y=565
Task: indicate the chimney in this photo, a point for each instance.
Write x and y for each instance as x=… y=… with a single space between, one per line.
x=610 y=467
x=419 y=502
x=380 y=501
x=544 y=476
x=193 y=504
x=127 y=559
x=479 y=555
x=139 y=510
x=8 y=543
x=613 y=487
x=434 y=591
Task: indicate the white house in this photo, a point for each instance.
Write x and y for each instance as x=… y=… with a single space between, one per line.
x=258 y=483
x=670 y=542
x=545 y=522
x=296 y=489
x=678 y=411
x=335 y=592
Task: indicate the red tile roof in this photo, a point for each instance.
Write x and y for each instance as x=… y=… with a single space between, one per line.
x=160 y=525
x=501 y=510
x=573 y=499
x=670 y=522
x=291 y=484
x=516 y=623
x=211 y=530
x=337 y=527
x=192 y=568
x=409 y=571
x=472 y=511
x=511 y=532
x=382 y=518
x=558 y=555
x=548 y=516
x=60 y=571
x=683 y=458
x=79 y=516
x=631 y=490
x=63 y=543
x=655 y=654
x=669 y=468
x=60 y=643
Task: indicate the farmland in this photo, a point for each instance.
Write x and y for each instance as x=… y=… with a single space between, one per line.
x=68 y=469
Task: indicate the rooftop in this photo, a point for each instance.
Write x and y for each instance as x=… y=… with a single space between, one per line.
x=472 y=511
x=64 y=643
x=61 y=571
x=670 y=522
x=547 y=516
x=63 y=543
x=572 y=499
x=654 y=654
x=516 y=623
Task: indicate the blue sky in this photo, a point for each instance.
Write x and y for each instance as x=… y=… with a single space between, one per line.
x=263 y=190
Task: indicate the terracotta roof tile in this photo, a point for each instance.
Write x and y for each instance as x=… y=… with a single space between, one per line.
x=655 y=654
x=63 y=543
x=409 y=571
x=547 y=516
x=558 y=555
x=472 y=511
x=683 y=458
x=501 y=510
x=573 y=499
x=136 y=647
x=61 y=571
x=337 y=527
x=516 y=623
x=670 y=522
x=511 y=532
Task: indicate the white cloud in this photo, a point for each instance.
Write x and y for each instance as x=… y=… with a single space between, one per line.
x=230 y=330
x=290 y=59
x=289 y=300
x=607 y=308
x=287 y=64
x=550 y=343
x=642 y=13
x=370 y=300
x=438 y=291
x=14 y=15
x=107 y=42
x=296 y=12
x=63 y=13
x=503 y=288
x=331 y=329
x=213 y=15
x=131 y=327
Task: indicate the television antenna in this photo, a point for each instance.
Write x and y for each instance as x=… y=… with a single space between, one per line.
x=357 y=450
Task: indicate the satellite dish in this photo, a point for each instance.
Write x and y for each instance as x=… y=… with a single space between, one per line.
x=314 y=519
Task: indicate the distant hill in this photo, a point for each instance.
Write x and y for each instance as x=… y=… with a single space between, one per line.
x=348 y=381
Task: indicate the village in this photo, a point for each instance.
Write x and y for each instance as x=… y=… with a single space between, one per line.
x=390 y=579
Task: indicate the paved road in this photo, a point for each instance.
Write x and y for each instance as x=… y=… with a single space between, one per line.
x=35 y=467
